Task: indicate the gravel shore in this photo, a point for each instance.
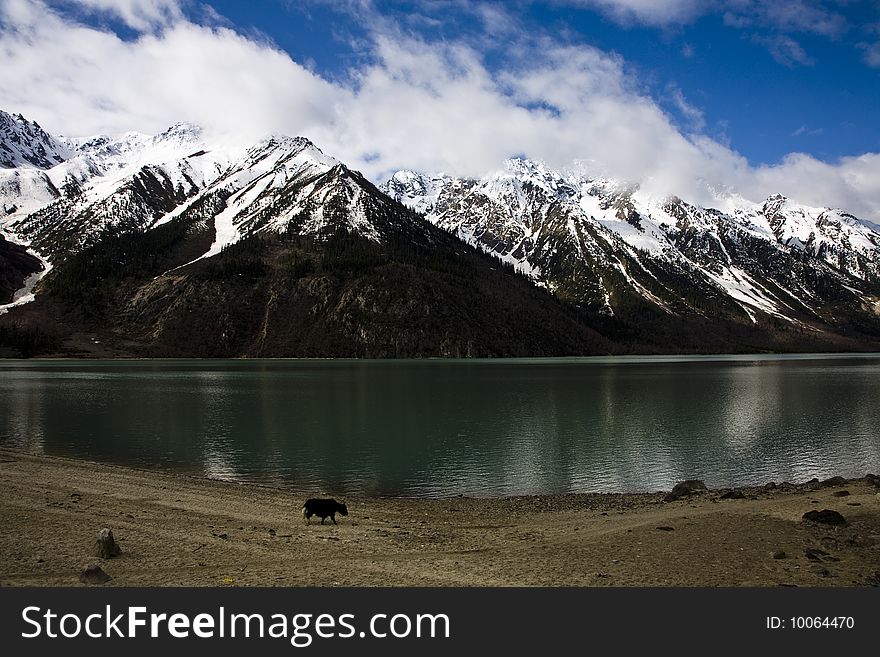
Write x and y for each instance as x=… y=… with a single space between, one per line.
x=176 y=530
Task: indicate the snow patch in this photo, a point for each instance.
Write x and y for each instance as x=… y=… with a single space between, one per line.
x=25 y=294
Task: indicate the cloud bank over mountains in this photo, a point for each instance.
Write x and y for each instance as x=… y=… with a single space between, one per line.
x=412 y=102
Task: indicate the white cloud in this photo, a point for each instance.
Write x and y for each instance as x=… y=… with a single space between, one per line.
x=770 y=21
x=77 y=79
x=650 y=12
x=137 y=14
x=812 y=16
x=806 y=130
x=429 y=106
x=785 y=50
x=788 y=15
x=852 y=184
x=872 y=53
x=694 y=116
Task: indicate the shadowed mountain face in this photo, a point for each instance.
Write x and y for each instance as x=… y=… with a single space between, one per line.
x=281 y=295
x=16 y=265
x=170 y=245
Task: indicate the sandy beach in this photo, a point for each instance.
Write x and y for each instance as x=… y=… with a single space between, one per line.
x=176 y=530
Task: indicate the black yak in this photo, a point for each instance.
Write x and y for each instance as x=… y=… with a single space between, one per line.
x=323 y=508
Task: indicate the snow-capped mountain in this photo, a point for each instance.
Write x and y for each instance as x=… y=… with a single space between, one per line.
x=25 y=143
x=600 y=243
x=95 y=168
x=176 y=245
x=137 y=182
x=286 y=185
x=183 y=244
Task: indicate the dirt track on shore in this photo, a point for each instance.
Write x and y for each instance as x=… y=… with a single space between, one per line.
x=185 y=531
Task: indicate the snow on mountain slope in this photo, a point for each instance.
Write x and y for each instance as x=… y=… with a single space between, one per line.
x=107 y=161
x=25 y=143
x=835 y=236
x=27 y=152
x=597 y=242
x=284 y=184
x=126 y=182
x=137 y=182
x=23 y=191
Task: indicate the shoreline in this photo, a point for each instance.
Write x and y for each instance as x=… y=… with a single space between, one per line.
x=621 y=357
x=185 y=530
x=158 y=470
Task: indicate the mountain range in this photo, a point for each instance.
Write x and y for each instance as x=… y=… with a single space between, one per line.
x=179 y=244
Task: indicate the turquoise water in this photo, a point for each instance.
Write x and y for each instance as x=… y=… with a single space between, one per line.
x=443 y=428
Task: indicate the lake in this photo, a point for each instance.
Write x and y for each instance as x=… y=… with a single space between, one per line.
x=435 y=428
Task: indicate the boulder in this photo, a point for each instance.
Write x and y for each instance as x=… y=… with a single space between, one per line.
x=94 y=574
x=106 y=546
x=685 y=488
x=779 y=554
x=835 y=481
x=815 y=554
x=733 y=495
x=841 y=493
x=825 y=517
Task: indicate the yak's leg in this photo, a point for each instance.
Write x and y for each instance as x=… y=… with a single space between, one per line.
x=322 y=519
x=333 y=518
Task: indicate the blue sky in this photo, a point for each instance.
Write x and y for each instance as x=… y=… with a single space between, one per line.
x=753 y=87
x=693 y=97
